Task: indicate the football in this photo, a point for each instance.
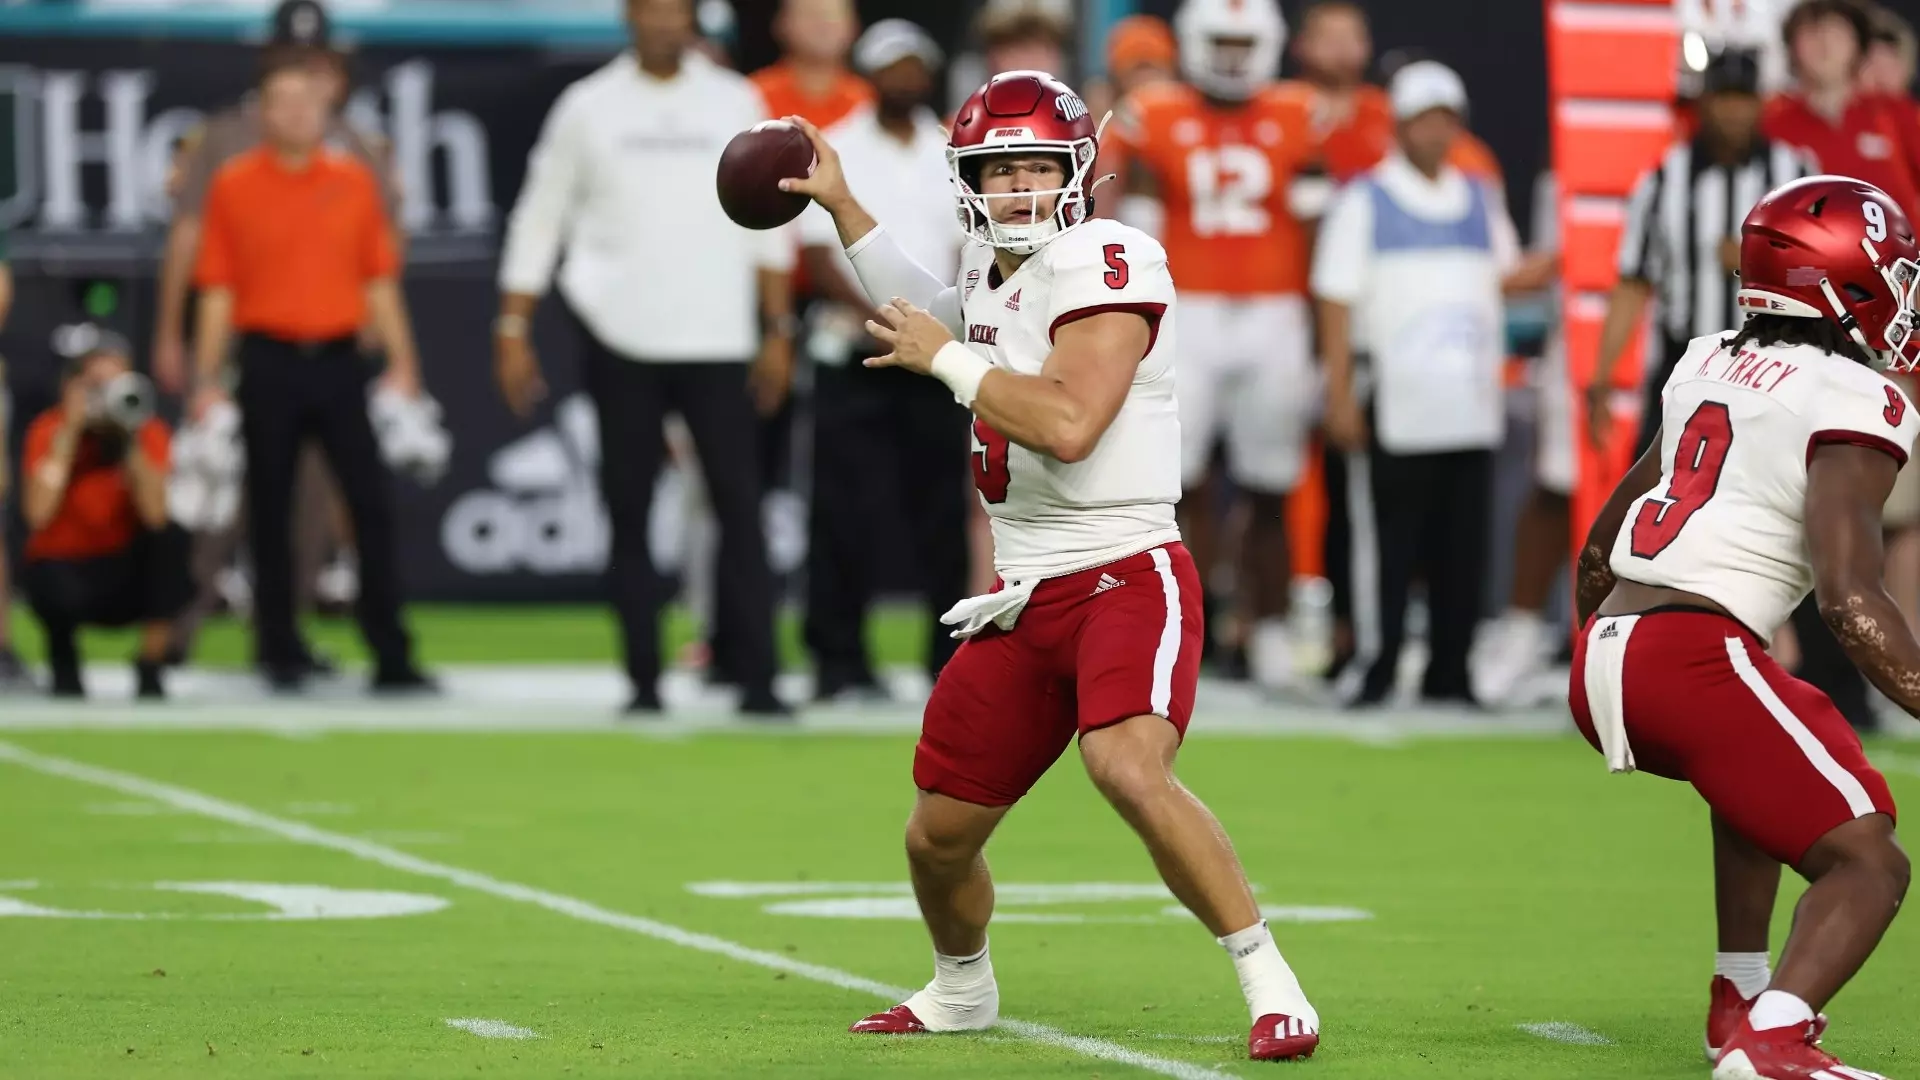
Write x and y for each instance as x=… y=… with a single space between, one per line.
x=751 y=168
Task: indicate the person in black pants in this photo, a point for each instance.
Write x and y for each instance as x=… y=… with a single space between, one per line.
x=101 y=551
x=665 y=291
x=890 y=451
x=296 y=255
x=632 y=399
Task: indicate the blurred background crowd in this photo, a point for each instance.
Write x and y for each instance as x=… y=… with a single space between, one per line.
x=278 y=337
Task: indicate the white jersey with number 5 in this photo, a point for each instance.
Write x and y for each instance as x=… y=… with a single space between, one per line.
x=1052 y=517
x=1738 y=427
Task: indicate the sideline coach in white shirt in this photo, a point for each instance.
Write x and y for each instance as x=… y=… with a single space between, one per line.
x=890 y=449
x=1408 y=269
x=662 y=286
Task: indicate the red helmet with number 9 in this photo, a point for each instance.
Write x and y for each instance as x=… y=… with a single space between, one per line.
x=1015 y=112
x=1832 y=247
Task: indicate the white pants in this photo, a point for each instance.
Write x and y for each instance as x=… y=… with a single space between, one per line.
x=1556 y=460
x=1245 y=373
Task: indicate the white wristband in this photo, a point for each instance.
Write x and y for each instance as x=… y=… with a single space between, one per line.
x=961 y=369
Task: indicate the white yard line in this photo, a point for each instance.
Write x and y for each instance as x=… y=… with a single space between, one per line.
x=1562 y=1032
x=299 y=832
x=492 y=1029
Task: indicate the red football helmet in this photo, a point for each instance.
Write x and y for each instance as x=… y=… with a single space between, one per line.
x=1832 y=247
x=1023 y=111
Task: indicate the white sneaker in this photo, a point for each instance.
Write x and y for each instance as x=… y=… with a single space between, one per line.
x=1511 y=648
x=1270 y=655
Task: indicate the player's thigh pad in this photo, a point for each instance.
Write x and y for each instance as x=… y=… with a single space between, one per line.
x=1137 y=646
x=1000 y=715
x=1277 y=402
x=1202 y=376
x=1768 y=752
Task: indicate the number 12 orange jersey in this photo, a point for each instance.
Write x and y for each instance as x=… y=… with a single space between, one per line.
x=1222 y=172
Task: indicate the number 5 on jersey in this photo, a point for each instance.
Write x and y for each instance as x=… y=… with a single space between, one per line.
x=990 y=462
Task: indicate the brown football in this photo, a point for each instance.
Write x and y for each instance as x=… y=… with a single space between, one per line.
x=751 y=168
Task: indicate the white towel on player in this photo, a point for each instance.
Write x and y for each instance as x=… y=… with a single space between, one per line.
x=1001 y=609
x=1606 y=687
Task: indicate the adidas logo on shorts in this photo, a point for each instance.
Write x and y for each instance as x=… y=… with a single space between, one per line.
x=1107 y=581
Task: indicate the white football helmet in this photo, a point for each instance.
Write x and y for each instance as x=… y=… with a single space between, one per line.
x=1202 y=24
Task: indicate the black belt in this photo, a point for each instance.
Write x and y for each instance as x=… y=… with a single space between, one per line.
x=311 y=347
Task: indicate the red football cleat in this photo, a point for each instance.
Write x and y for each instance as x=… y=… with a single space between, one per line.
x=898 y=1020
x=1725 y=1009
x=1279 y=1037
x=1783 y=1053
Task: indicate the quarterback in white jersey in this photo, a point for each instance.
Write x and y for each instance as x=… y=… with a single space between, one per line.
x=1778 y=445
x=1059 y=337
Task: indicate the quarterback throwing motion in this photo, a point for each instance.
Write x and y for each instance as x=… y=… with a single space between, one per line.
x=1059 y=337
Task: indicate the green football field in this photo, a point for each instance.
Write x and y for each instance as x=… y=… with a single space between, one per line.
x=654 y=902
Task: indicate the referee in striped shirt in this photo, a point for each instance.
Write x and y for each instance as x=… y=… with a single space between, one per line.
x=1681 y=246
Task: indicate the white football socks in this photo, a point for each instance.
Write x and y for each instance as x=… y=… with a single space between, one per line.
x=1778 y=1009
x=1268 y=983
x=962 y=995
x=1747 y=970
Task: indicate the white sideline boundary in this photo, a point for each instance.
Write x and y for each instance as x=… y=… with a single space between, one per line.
x=194 y=802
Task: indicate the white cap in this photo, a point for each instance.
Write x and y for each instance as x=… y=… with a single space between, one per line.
x=890 y=41
x=1423 y=85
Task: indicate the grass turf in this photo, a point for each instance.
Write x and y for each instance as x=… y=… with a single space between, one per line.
x=1511 y=882
x=477 y=634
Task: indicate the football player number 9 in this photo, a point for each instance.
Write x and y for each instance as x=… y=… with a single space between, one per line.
x=990 y=462
x=1697 y=461
x=1876 y=221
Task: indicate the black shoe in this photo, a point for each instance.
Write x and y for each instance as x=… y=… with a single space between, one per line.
x=763 y=705
x=645 y=704
x=12 y=671
x=285 y=678
x=407 y=681
x=1230 y=663
x=146 y=677
x=834 y=685
x=318 y=664
x=67 y=684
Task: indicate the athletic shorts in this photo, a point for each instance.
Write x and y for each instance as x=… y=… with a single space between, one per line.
x=1247 y=376
x=1705 y=704
x=1090 y=650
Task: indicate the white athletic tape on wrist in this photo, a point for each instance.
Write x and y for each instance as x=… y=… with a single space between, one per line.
x=961 y=369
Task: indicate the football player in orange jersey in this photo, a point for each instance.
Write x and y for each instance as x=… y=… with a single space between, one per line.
x=1220 y=152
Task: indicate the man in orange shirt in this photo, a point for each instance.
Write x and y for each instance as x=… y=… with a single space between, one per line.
x=1221 y=154
x=100 y=550
x=811 y=77
x=296 y=254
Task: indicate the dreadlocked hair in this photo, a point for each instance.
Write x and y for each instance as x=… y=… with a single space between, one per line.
x=1822 y=334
